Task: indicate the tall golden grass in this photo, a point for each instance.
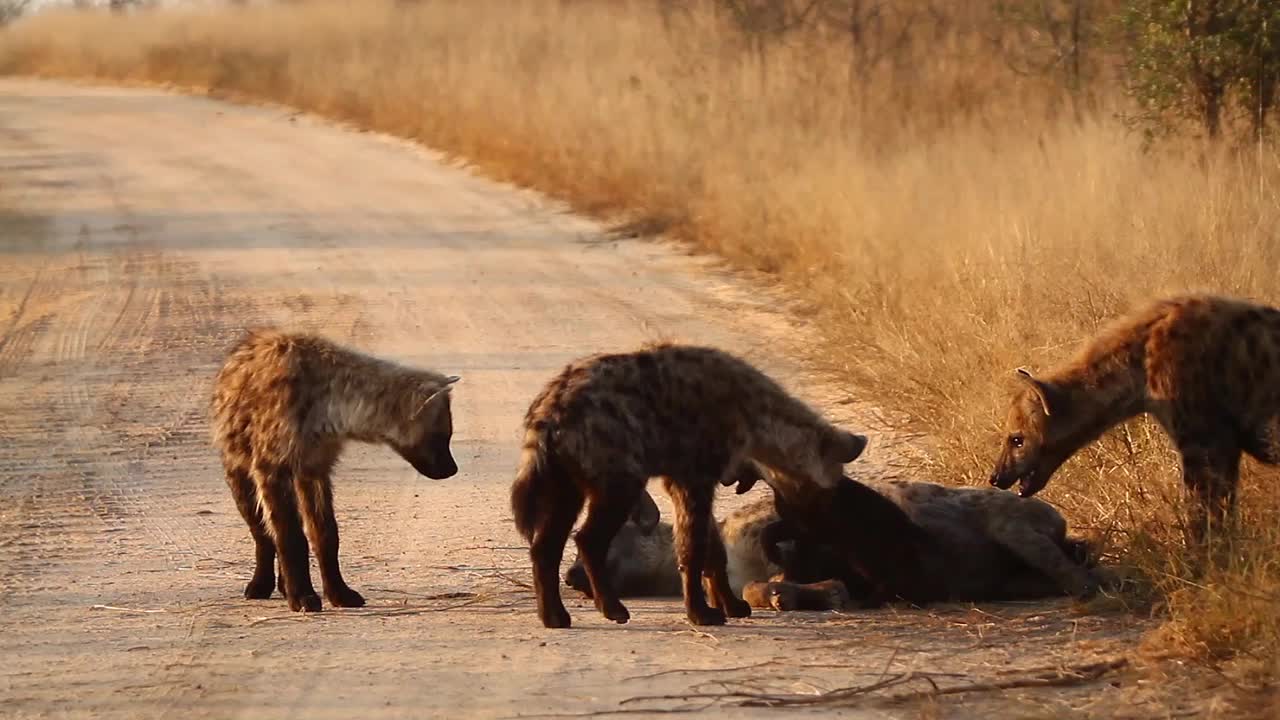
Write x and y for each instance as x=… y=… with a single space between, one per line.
x=946 y=219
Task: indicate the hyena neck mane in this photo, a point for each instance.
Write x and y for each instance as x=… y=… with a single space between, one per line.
x=784 y=426
x=374 y=400
x=1104 y=385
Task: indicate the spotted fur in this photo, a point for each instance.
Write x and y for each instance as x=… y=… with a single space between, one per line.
x=692 y=415
x=1207 y=368
x=984 y=545
x=283 y=407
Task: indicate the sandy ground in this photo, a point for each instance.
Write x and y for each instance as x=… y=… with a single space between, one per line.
x=143 y=231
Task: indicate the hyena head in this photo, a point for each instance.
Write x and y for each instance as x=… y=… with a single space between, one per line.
x=641 y=559
x=799 y=462
x=424 y=441
x=836 y=450
x=1040 y=432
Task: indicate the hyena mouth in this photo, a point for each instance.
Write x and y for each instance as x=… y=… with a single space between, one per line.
x=1029 y=484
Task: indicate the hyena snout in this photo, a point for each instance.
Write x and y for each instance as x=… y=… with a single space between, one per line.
x=856 y=444
x=843 y=447
x=431 y=458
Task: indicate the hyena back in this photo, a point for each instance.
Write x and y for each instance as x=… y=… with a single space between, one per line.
x=993 y=545
x=1207 y=368
x=283 y=407
x=691 y=415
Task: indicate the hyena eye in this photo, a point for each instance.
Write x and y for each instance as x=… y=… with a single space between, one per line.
x=1015 y=441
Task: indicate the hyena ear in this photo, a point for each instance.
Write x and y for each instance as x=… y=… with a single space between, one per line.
x=1049 y=395
x=439 y=392
x=845 y=447
x=645 y=513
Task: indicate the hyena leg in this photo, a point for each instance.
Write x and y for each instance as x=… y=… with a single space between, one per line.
x=717 y=575
x=1210 y=475
x=315 y=498
x=1043 y=554
x=693 y=522
x=1264 y=442
x=276 y=487
x=547 y=549
x=246 y=496
x=784 y=596
x=607 y=510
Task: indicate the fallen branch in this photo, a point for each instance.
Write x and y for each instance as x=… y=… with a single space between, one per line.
x=690 y=671
x=750 y=699
x=125 y=609
x=508 y=578
x=420 y=596
x=297 y=617
x=1058 y=678
x=472 y=599
x=622 y=711
x=1072 y=676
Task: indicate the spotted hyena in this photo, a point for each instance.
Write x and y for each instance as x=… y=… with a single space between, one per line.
x=985 y=545
x=979 y=545
x=283 y=407
x=1206 y=367
x=641 y=561
x=691 y=415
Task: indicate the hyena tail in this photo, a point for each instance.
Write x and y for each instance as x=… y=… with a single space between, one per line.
x=530 y=488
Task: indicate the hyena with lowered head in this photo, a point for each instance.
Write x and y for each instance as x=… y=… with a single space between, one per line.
x=283 y=407
x=691 y=415
x=1207 y=368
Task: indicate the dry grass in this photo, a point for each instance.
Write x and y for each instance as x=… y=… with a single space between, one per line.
x=945 y=219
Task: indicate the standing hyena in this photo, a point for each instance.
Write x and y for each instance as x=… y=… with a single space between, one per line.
x=1207 y=368
x=283 y=407
x=607 y=423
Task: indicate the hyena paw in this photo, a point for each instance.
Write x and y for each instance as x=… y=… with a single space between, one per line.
x=706 y=616
x=784 y=597
x=735 y=608
x=756 y=594
x=837 y=594
x=259 y=588
x=555 y=618
x=617 y=612
x=306 y=602
x=345 y=597
x=1085 y=588
x=1108 y=580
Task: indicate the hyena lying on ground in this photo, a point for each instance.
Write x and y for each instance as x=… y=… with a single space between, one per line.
x=692 y=415
x=983 y=545
x=1207 y=368
x=283 y=407
x=971 y=545
x=641 y=561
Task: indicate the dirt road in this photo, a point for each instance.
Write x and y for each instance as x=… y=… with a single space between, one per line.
x=143 y=231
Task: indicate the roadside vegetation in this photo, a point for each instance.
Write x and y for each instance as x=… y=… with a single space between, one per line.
x=953 y=189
